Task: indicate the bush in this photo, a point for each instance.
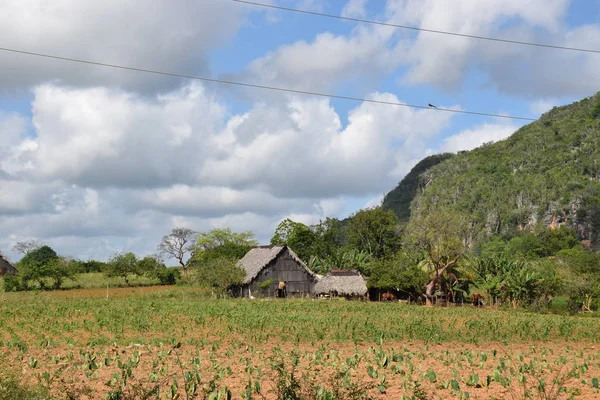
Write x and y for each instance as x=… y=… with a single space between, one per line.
x=12 y=283
x=168 y=276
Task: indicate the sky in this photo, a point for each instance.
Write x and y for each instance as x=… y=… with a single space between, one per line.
x=96 y=160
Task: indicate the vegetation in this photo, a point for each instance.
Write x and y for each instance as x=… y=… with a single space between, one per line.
x=41 y=266
x=375 y=231
x=443 y=238
x=219 y=274
x=401 y=273
x=180 y=342
x=545 y=174
x=399 y=199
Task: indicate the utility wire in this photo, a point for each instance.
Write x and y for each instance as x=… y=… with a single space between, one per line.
x=251 y=85
x=414 y=28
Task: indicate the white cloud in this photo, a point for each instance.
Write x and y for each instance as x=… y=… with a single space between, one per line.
x=368 y=53
x=469 y=139
x=430 y=52
x=374 y=202
x=110 y=137
x=210 y=201
x=171 y=36
x=355 y=9
x=365 y=55
x=300 y=149
x=522 y=71
x=108 y=169
x=541 y=106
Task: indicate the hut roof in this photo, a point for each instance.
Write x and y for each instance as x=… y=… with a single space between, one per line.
x=6 y=268
x=344 y=282
x=259 y=257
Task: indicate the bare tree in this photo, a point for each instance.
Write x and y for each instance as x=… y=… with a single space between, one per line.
x=27 y=246
x=177 y=245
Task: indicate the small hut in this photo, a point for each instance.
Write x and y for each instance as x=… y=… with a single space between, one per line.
x=266 y=266
x=342 y=283
x=6 y=268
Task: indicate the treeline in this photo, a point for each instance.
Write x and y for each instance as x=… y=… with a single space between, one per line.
x=434 y=256
x=210 y=256
x=42 y=268
x=437 y=255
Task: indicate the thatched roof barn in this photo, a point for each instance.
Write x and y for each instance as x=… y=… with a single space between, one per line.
x=6 y=268
x=344 y=283
x=274 y=264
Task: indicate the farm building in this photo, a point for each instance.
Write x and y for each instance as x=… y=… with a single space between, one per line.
x=342 y=283
x=266 y=266
x=6 y=268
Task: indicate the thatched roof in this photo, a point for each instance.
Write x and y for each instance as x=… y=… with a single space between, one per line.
x=344 y=282
x=6 y=268
x=259 y=257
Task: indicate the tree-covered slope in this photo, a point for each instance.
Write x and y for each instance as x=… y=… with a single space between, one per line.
x=399 y=199
x=547 y=173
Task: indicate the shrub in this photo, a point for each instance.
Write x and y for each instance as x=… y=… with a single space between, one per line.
x=12 y=283
x=168 y=276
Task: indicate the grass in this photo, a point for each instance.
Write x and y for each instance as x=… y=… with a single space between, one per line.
x=160 y=341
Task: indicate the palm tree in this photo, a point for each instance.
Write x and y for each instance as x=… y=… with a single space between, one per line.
x=341 y=259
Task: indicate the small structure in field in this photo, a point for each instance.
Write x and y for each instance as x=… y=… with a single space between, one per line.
x=6 y=268
x=342 y=283
x=266 y=266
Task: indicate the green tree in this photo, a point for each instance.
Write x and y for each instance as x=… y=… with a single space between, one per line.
x=40 y=265
x=580 y=269
x=297 y=236
x=399 y=272
x=505 y=278
x=123 y=266
x=342 y=258
x=444 y=238
x=92 y=266
x=59 y=269
x=220 y=236
x=330 y=237
x=375 y=231
x=153 y=267
x=219 y=274
x=222 y=243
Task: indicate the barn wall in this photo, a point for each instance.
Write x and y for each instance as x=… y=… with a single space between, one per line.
x=7 y=269
x=283 y=268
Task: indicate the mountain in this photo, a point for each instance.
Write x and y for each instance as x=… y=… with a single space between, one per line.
x=547 y=173
x=399 y=199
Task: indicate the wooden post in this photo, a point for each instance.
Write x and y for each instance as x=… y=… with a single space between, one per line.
x=107 y=292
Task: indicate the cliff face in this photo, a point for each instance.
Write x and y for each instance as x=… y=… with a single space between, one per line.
x=547 y=172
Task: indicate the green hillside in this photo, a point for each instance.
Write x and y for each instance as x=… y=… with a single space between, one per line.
x=399 y=199
x=547 y=173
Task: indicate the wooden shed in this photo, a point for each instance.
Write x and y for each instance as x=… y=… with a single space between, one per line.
x=274 y=264
x=349 y=284
x=6 y=268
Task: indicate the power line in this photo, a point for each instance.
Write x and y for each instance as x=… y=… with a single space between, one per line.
x=255 y=86
x=414 y=28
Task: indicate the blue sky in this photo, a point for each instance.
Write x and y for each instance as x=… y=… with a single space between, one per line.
x=99 y=161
